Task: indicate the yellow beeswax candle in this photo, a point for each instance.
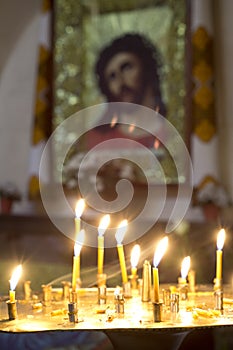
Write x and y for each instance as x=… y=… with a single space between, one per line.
x=100 y=254
x=119 y=238
x=159 y=252
x=12 y=296
x=14 y=281
x=104 y=222
x=156 y=284
x=220 y=244
x=121 y=255
x=219 y=264
x=76 y=259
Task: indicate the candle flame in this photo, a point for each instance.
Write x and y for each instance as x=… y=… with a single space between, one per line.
x=160 y=250
x=104 y=222
x=185 y=266
x=79 y=207
x=221 y=239
x=79 y=242
x=15 y=277
x=121 y=231
x=135 y=254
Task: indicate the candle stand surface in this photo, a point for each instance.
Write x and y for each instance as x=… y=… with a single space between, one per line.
x=196 y=318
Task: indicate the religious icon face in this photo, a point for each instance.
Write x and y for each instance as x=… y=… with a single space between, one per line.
x=124 y=77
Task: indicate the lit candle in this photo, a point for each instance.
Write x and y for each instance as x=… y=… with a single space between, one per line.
x=119 y=238
x=104 y=222
x=220 y=244
x=76 y=259
x=78 y=212
x=13 y=282
x=135 y=254
x=185 y=266
x=159 y=252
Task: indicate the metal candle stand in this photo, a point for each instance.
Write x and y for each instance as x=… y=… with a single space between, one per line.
x=27 y=290
x=102 y=295
x=157 y=311
x=12 y=309
x=66 y=290
x=119 y=303
x=72 y=307
x=47 y=294
x=127 y=290
x=219 y=299
x=134 y=281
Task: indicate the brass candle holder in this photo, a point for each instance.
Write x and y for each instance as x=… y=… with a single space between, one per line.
x=101 y=279
x=102 y=295
x=157 y=311
x=72 y=307
x=219 y=299
x=134 y=281
x=47 y=294
x=12 y=309
x=66 y=290
x=27 y=290
x=119 y=303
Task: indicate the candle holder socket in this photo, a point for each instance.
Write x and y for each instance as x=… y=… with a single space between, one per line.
x=12 y=309
x=146 y=281
x=73 y=297
x=102 y=295
x=47 y=294
x=218 y=284
x=174 y=305
x=219 y=299
x=166 y=297
x=192 y=281
x=134 y=281
x=66 y=290
x=119 y=303
x=101 y=279
x=72 y=312
x=157 y=311
x=27 y=290
x=183 y=291
x=127 y=290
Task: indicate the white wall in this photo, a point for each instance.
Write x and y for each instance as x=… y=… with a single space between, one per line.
x=18 y=64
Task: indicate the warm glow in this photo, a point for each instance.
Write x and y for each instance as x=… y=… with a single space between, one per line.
x=113 y=121
x=160 y=250
x=15 y=277
x=135 y=254
x=79 y=243
x=131 y=128
x=185 y=266
x=221 y=239
x=79 y=207
x=121 y=231
x=104 y=222
x=156 y=144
